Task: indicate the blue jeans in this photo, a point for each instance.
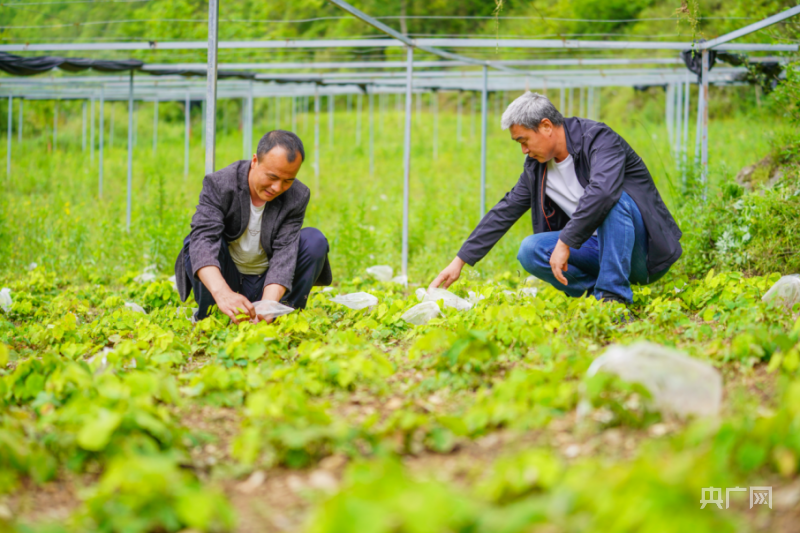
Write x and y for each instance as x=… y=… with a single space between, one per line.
x=606 y=264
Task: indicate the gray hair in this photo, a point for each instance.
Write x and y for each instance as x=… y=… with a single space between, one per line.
x=529 y=110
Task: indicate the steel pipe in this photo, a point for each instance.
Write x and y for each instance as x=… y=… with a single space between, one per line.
x=210 y=128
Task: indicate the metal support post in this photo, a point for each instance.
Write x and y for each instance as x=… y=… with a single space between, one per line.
x=203 y=122
x=277 y=113
x=211 y=87
x=187 y=114
x=704 y=127
x=55 y=127
x=668 y=115
x=435 y=106
x=130 y=151
x=473 y=115
x=581 y=108
x=155 y=126
x=359 y=105
x=331 y=109
x=294 y=113
x=111 y=125
x=676 y=148
x=569 y=102
x=91 y=132
x=316 y=135
x=83 y=125
x=407 y=154
x=19 y=126
x=371 y=102
x=250 y=113
x=685 y=148
x=458 y=117
x=10 y=125
x=100 y=152
x=484 y=104
x=590 y=103
x=561 y=105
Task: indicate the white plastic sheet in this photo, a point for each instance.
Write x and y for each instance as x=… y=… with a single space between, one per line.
x=5 y=300
x=421 y=313
x=356 y=300
x=148 y=275
x=136 y=308
x=473 y=297
x=269 y=309
x=785 y=292
x=678 y=383
x=381 y=272
x=449 y=299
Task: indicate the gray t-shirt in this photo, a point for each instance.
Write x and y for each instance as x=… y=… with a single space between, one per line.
x=246 y=251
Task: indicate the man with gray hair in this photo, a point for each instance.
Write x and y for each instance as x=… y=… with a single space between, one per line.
x=599 y=222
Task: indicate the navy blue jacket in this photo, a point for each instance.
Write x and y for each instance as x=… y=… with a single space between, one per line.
x=606 y=166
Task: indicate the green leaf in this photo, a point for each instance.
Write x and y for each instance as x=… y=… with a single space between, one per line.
x=94 y=436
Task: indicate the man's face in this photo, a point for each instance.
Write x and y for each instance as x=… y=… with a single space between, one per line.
x=272 y=175
x=537 y=144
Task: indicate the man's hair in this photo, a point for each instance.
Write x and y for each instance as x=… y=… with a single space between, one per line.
x=529 y=110
x=286 y=140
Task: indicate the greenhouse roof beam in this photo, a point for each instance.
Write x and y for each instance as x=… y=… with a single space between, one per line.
x=769 y=21
x=391 y=43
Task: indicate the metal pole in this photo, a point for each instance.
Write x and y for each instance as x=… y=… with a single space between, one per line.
x=203 y=122
x=359 y=105
x=590 y=103
x=277 y=113
x=569 y=102
x=561 y=106
x=187 y=113
x=316 y=135
x=458 y=117
x=435 y=106
x=472 y=115
x=100 y=153
x=484 y=104
x=211 y=86
x=10 y=124
x=83 y=125
x=407 y=155
x=668 y=101
x=91 y=133
x=19 y=126
x=678 y=122
x=250 y=113
x=155 y=126
x=111 y=124
x=582 y=109
x=685 y=148
x=294 y=118
x=704 y=126
x=371 y=99
x=55 y=127
x=130 y=151
x=331 y=108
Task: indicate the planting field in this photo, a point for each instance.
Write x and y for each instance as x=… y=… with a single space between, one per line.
x=329 y=420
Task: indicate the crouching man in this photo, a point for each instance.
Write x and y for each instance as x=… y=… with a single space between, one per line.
x=599 y=223
x=246 y=243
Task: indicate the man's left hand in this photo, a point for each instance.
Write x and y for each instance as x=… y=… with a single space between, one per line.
x=558 y=261
x=273 y=293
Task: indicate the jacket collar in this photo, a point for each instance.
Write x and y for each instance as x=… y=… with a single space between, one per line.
x=574 y=134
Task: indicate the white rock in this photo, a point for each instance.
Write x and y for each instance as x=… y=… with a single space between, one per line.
x=785 y=292
x=5 y=299
x=678 y=383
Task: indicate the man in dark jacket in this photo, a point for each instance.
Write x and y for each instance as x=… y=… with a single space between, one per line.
x=599 y=222
x=246 y=242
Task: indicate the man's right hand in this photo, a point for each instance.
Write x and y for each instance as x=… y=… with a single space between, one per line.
x=229 y=302
x=233 y=304
x=449 y=275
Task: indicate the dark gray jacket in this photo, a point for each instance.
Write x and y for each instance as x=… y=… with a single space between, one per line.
x=224 y=212
x=606 y=166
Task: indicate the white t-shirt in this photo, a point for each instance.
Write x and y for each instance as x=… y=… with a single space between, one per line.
x=246 y=251
x=562 y=185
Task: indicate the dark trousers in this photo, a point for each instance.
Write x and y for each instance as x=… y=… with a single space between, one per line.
x=311 y=254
